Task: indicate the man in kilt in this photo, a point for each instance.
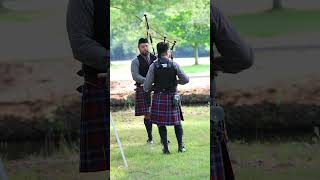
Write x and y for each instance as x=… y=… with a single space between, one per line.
x=235 y=57
x=87 y=26
x=166 y=108
x=139 y=69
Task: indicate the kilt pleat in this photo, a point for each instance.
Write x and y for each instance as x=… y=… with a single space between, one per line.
x=94 y=130
x=163 y=111
x=221 y=167
x=142 y=104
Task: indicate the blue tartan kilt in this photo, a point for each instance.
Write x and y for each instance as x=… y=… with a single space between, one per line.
x=142 y=102
x=163 y=111
x=220 y=163
x=94 y=130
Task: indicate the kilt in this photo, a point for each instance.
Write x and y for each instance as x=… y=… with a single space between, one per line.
x=142 y=103
x=220 y=163
x=94 y=130
x=163 y=111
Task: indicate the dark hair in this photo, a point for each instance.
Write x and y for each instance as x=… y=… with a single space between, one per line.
x=162 y=47
x=142 y=40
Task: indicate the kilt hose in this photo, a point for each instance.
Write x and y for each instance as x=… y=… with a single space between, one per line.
x=220 y=163
x=163 y=111
x=94 y=130
x=142 y=102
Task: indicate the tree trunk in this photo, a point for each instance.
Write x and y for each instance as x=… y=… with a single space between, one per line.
x=196 y=53
x=277 y=4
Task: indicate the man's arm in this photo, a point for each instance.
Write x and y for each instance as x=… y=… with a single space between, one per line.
x=147 y=85
x=183 y=78
x=135 y=71
x=80 y=27
x=236 y=55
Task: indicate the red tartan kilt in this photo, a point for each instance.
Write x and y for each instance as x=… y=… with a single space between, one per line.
x=94 y=130
x=142 y=104
x=163 y=112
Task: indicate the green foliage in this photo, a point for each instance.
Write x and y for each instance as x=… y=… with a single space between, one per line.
x=201 y=68
x=188 y=25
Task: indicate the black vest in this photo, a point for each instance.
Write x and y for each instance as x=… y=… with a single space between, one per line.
x=165 y=79
x=101 y=30
x=143 y=64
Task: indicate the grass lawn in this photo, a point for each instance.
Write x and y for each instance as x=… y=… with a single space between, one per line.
x=62 y=165
x=200 y=68
x=276 y=160
x=21 y=16
x=276 y=23
x=148 y=162
x=254 y=161
x=189 y=69
x=118 y=66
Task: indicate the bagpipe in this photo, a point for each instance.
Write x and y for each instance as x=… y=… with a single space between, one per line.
x=149 y=37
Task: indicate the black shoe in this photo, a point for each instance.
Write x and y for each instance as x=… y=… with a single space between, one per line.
x=165 y=151
x=181 y=149
x=149 y=141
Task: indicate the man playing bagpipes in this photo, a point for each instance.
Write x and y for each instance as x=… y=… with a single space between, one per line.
x=139 y=69
x=166 y=105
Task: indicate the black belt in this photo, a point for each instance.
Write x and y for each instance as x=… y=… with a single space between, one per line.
x=99 y=82
x=165 y=91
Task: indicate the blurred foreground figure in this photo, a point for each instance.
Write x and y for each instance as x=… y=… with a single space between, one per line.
x=87 y=26
x=235 y=56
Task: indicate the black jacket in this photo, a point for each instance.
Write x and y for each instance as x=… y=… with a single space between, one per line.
x=87 y=26
x=235 y=54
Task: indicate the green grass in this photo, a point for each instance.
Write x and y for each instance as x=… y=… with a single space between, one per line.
x=62 y=165
x=148 y=162
x=118 y=66
x=189 y=69
x=200 y=68
x=281 y=161
x=21 y=16
x=277 y=23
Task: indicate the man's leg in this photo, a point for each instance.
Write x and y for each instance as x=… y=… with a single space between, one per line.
x=164 y=139
x=148 y=125
x=179 y=134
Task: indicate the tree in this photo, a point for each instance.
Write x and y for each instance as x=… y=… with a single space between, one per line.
x=186 y=21
x=277 y=5
x=188 y=30
x=189 y=25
